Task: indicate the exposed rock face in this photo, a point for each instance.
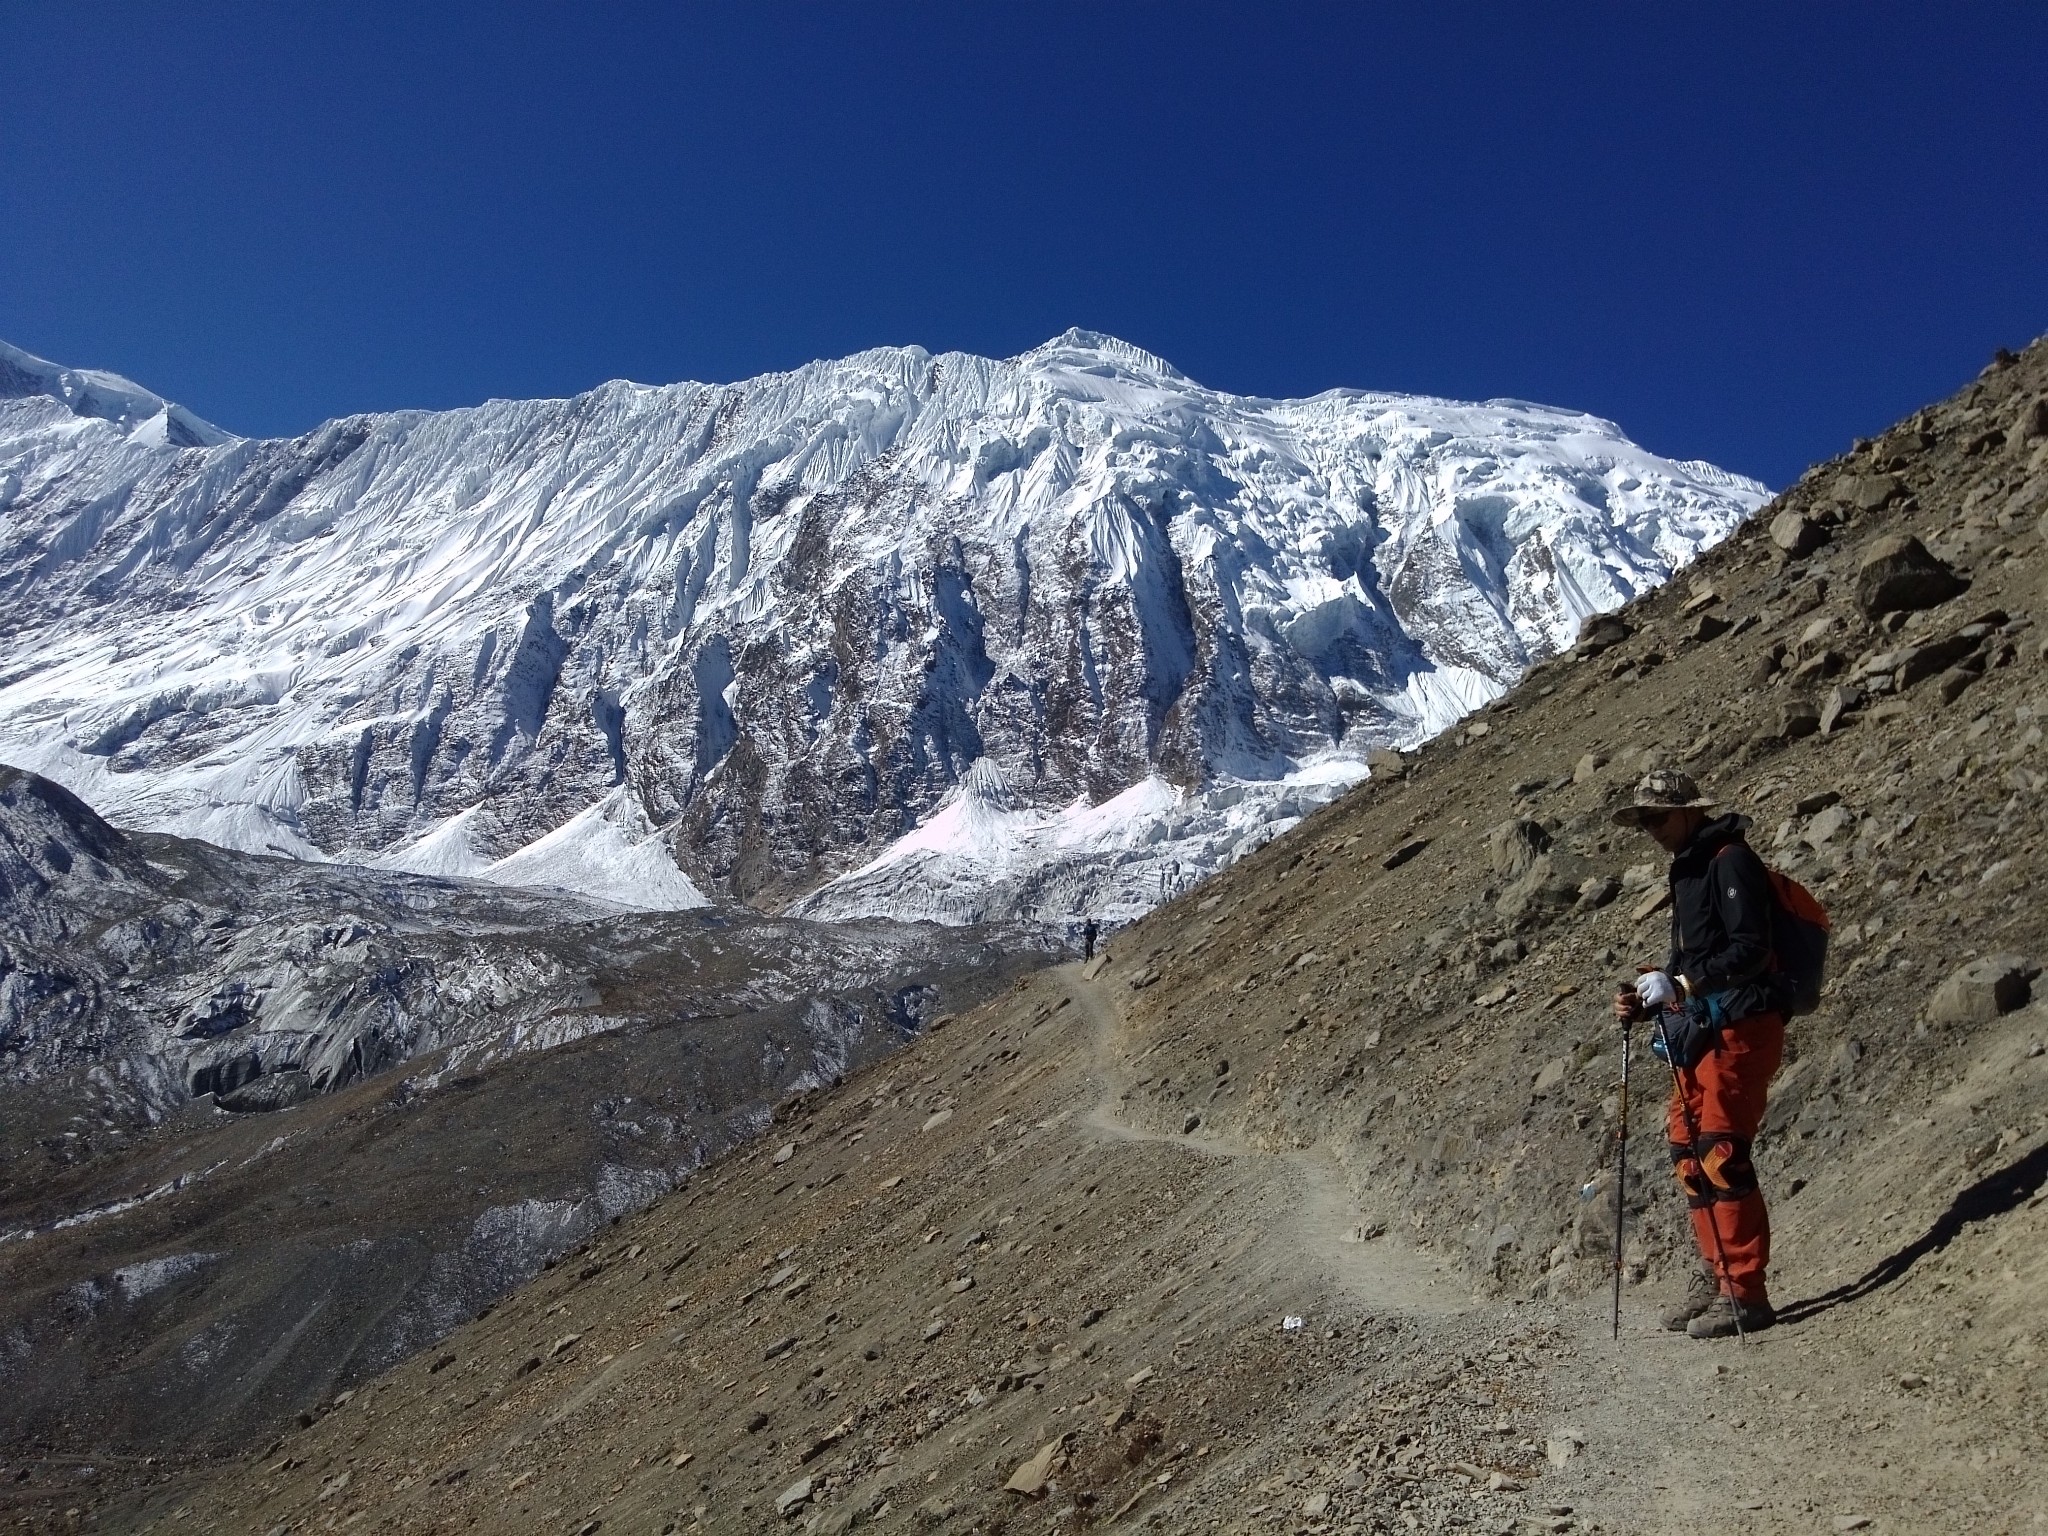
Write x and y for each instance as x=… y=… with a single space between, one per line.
x=174 y=969
x=762 y=631
x=61 y=865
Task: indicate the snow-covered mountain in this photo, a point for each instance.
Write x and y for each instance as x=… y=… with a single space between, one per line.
x=900 y=633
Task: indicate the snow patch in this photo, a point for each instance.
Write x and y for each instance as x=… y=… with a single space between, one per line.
x=982 y=856
x=607 y=852
x=135 y=1281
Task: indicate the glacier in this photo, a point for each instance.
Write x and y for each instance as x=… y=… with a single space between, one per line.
x=899 y=634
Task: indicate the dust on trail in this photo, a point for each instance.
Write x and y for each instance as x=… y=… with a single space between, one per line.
x=1301 y=1197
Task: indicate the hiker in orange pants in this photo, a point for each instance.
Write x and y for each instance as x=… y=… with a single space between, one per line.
x=1719 y=1019
x=1725 y=1094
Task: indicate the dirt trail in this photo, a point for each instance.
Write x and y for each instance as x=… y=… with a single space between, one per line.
x=1812 y=1425
x=1303 y=1200
x=1799 y=1428
x=1139 y=1331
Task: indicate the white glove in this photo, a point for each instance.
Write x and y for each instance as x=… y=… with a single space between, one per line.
x=1654 y=990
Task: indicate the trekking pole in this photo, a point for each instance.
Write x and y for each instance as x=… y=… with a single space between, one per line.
x=1620 y=1180
x=1692 y=1130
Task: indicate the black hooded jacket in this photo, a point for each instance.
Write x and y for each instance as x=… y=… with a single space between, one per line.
x=1721 y=906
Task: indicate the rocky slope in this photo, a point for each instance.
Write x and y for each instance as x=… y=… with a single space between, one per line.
x=158 y=969
x=764 y=631
x=267 y=1126
x=1273 y=1219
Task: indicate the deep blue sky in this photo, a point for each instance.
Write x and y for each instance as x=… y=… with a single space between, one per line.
x=1745 y=233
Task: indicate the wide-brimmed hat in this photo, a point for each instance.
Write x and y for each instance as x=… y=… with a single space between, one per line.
x=1661 y=790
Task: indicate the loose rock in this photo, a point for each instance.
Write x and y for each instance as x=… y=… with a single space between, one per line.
x=1896 y=574
x=1404 y=853
x=1799 y=717
x=1839 y=702
x=1797 y=534
x=1030 y=1477
x=1561 y=1447
x=1980 y=991
x=794 y=1497
x=1600 y=632
x=1514 y=845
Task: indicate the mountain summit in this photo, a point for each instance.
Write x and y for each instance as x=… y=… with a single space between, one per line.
x=748 y=640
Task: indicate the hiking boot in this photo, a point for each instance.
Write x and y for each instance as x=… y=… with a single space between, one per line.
x=1700 y=1292
x=1719 y=1319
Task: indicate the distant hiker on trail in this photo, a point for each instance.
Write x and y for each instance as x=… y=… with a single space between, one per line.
x=1716 y=1008
x=1088 y=932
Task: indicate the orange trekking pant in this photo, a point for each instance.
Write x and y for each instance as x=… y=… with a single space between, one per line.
x=1725 y=1095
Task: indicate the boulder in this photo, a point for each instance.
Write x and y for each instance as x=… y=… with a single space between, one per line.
x=1956 y=679
x=1797 y=534
x=1896 y=574
x=1819 y=635
x=1980 y=991
x=1866 y=493
x=1598 y=891
x=1600 y=632
x=1800 y=717
x=1814 y=668
x=2031 y=423
x=1385 y=763
x=1917 y=663
x=1561 y=1447
x=1514 y=845
x=1549 y=886
x=1839 y=702
x=1032 y=1475
x=1827 y=823
x=1404 y=853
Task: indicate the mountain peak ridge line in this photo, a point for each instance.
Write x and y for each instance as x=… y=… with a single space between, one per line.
x=688 y=642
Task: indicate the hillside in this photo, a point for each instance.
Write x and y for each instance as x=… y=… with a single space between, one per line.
x=768 y=631
x=268 y=1126
x=1272 y=1220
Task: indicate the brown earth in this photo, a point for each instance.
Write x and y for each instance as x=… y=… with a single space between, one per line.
x=1060 y=1244
x=475 y=1081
